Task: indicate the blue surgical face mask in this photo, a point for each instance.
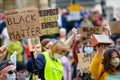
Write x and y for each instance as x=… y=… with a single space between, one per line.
x=117 y=47
x=88 y=49
x=21 y=76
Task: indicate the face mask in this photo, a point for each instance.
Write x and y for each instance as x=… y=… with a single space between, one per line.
x=88 y=49
x=57 y=56
x=21 y=76
x=115 y=62
x=11 y=75
x=117 y=47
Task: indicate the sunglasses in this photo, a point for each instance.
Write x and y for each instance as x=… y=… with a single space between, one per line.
x=12 y=71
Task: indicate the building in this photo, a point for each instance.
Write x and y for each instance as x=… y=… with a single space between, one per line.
x=14 y=4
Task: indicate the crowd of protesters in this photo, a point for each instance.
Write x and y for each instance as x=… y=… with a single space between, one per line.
x=56 y=56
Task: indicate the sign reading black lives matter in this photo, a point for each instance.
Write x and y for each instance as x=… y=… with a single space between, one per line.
x=23 y=23
x=88 y=31
x=48 y=20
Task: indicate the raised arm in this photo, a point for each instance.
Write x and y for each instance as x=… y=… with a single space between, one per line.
x=74 y=47
x=96 y=67
x=69 y=41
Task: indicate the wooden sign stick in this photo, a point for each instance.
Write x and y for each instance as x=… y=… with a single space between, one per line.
x=33 y=60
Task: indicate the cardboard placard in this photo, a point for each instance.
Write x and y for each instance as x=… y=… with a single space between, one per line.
x=86 y=32
x=23 y=23
x=96 y=40
x=48 y=20
x=85 y=61
x=74 y=7
x=74 y=12
x=115 y=27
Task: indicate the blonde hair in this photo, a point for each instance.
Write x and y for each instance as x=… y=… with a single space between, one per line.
x=62 y=30
x=58 y=47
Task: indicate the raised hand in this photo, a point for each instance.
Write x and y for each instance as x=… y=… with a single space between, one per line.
x=74 y=31
x=77 y=37
x=3 y=51
x=100 y=49
x=37 y=50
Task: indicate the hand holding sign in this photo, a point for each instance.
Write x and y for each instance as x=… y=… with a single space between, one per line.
x=77 y=37
x=100 y=49
x=100 y=39
x=3 y=51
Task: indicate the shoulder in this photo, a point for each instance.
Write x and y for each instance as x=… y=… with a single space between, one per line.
x=64 y=60
x=40 y=56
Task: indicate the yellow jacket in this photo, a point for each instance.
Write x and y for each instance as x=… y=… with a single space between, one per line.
x=98 y=72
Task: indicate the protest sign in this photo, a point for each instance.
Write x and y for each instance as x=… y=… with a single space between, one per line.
x=48 y=21
x=23 y=23
x=85 y=61
x=74 y=12
x=97 y=40
x=86 y=32
x=115 y=27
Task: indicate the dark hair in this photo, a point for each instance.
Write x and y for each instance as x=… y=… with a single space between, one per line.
x=85 y=43
x=106 y=61
x=4 y=64
x=20 y=66
x=44 y=43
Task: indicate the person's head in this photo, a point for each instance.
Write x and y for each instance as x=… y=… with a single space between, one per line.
x=111 y=60
x=96 y=13
x=5 y=68
x=81 y=10
x=46 y=44
x=117 y=44
x=58 y=47
x=85 y=17
x=65 y=12
x=87 y=46
x=21 y=71
x=62 y=32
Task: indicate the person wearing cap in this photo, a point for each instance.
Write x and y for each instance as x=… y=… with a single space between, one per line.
x=21 y=71
x=5 y=68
